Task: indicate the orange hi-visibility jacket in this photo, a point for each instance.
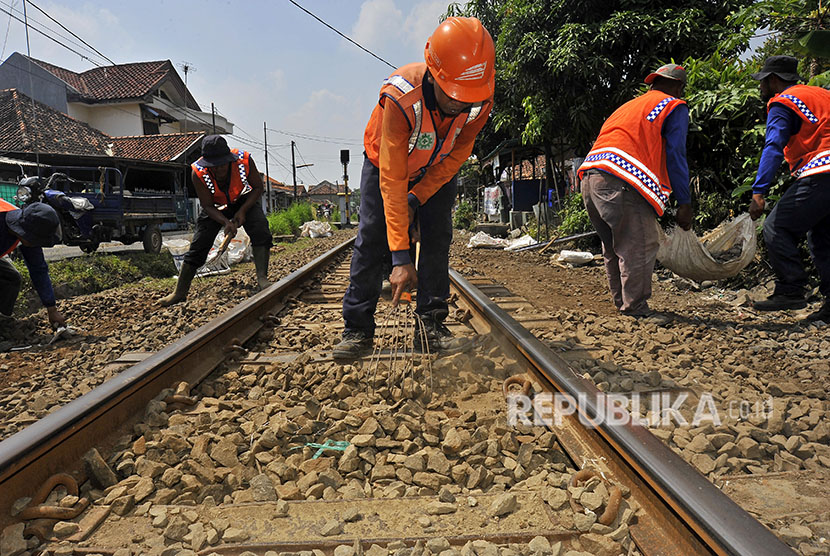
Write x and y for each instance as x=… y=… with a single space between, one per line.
x=631 y=146
x=808 y=151
x=415 y=148
x=8 y=207
x=239 y=185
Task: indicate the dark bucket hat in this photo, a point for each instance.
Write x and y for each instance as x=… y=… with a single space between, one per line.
x=37 y=223
x=669 y=71
x=215 y=152
x=785 y=67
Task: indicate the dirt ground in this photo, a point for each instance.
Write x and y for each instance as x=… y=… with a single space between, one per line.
x=715 y=345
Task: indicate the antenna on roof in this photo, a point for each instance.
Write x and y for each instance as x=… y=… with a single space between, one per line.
x=186 y=68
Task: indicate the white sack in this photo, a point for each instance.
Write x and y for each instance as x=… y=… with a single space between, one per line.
x=576 y=258
x=722 y=253
x=238 y=251
x=483 y=239
x=523 y=241
x=315 y=229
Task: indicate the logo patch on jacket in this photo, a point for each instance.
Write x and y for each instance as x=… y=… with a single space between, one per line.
x=425 y=141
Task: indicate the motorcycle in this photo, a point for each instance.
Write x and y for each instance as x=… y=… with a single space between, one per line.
x=75 y=213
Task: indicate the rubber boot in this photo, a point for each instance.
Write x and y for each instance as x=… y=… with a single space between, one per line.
x=261 y=255
x=186 y=275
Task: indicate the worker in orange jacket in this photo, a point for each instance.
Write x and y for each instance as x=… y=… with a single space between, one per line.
x=420 y=133
x=798 y=131
x=636 y=162
x=229 y=188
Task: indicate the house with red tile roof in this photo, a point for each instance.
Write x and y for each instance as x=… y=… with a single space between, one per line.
x=326 y=191
x=135 y=99
x=32 y=131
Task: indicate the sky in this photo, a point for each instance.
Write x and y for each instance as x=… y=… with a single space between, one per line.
x=259 y=61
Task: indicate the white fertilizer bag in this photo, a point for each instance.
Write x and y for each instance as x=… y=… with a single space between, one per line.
x=315 y=229
x=239 y=250
x=576 y=258
x=722 y=253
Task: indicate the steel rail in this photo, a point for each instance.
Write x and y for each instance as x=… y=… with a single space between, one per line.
x=58 y=442
x=721 y=525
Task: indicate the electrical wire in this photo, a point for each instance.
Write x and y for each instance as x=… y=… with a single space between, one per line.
x=8 y=26
x=87 y=58
x=31 y=89
x=56 y=32
x=342 y=35
x=251 y=141
x=304 y=162
x=318 y=138
x=70 y=32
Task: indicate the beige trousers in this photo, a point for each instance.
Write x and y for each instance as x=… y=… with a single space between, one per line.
x=627 y=225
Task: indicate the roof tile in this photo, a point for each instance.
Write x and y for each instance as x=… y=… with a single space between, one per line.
x=52 y=132
x=119 y=82
x=159 y=148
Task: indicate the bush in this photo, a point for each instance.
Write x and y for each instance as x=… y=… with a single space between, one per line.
x=464 y=217
x=574 y=217
x=94 y=273
x=288 y=221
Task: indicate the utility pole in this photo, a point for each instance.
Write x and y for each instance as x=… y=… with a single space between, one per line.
x=213 y=115
x=294 y=170
x=268 y=203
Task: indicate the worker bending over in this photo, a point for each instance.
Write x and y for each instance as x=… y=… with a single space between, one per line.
x=798 y=130
x=420 y=133
x=30 y=229
x=229 y=187
x=637 y=161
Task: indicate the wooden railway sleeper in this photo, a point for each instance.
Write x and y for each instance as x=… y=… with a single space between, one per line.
x=35 y=509
x=614 y=495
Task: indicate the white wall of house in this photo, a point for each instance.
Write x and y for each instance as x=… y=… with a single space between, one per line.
x=78 y=111
x=116 y=120
x=169 y=128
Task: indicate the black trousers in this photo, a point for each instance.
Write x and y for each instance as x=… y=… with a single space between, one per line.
x=371 y=254
x=803 y=210
x=9 y=286
x=256 y=226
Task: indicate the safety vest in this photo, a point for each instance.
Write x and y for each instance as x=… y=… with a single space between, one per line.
x=631 y=146
x=808 y=151
x=8 y=207
x=425 y=147
x=239 y=185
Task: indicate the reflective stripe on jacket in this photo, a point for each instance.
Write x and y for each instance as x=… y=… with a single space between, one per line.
x=808 y=151
x=630 y=146
x=239 y=185
x=425 y=148
x=5 y=206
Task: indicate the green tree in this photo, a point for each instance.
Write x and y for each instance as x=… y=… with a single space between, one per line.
x=795 y=27
x=564 y=65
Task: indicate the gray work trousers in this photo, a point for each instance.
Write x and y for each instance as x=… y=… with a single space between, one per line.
x=627 y=225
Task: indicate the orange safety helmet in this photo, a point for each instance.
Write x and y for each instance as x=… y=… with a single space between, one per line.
x=461 y=58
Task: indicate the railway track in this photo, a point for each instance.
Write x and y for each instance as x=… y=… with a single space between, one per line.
x=270 y=445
